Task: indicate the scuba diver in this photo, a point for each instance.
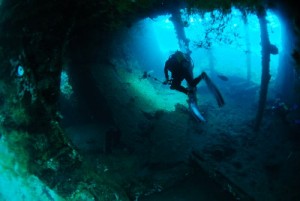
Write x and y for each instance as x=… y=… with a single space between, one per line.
x=181 y=67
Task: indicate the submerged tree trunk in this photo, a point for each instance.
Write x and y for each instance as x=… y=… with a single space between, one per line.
x=248 y=51
x=179 y=29
x=266 y=51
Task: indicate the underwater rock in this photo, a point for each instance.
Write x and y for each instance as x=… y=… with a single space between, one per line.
x=220 y=152
x=158 y=114
x=158 y=166
x=112 y=139
x=199 y=162
x=150 y=116
x=272 y=170
x=181 y=108
x=237 y=165
x=146 y=128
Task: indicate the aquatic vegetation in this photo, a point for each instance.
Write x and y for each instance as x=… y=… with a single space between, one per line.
x=20 y=82
x=15 y=178
x=65 y=86
x=123 y=6
x=222 y=5
x=14 y=152
x=96 y=186
x=18 y=116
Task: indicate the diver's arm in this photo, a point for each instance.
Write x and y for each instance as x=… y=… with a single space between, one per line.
x=166 y=73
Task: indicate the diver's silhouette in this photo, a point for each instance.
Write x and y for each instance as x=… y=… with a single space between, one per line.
x=181 y=67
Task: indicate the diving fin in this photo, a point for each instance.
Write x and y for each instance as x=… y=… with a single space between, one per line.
x=193 y=107
x=215 y=91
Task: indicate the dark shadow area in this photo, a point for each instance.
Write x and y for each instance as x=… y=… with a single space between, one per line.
x=89 y=103
x=194 y=187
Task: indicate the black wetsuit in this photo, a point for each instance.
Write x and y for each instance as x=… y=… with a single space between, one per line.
x=181 y=67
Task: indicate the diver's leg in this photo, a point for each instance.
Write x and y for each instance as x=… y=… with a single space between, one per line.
x=176 y=84
x=181 y=89
x=196 y=81
x=188 y=76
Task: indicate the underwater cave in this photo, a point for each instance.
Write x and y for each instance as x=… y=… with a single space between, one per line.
x=90 y=111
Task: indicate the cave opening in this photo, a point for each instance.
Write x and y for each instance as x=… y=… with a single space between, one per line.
x=86 y=113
